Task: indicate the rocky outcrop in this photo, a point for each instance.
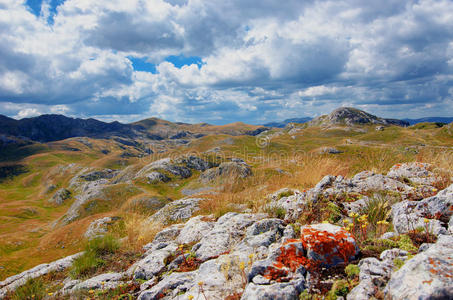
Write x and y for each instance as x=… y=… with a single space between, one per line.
x=361 y=185
x=60 y=196
x=162 y=170
x=99 y=227
x=228 y=170
x=13 y=282
x=433 y=212
x=179 y=210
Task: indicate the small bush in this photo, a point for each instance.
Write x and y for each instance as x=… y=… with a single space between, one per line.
x=33 y=289
x=277 y=212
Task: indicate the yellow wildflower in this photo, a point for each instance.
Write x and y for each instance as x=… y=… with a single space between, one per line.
x=426 y=220
x=242 y=265
x=190 y=297
x=200 y=283
x=91 y=291
x=50 y=294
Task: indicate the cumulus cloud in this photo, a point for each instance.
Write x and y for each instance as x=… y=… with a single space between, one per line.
x=260 y=60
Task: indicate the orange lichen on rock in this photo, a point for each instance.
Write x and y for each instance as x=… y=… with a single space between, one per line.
x=329 y=245
x=329 y=248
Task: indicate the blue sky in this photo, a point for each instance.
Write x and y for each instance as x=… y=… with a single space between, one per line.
x=225 y=61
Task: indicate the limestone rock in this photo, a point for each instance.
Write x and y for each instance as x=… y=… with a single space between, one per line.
x=179 y=210
x=60 y=196
x=425 y=276
x=226 y=170
x=328 y=244
x=99 y=227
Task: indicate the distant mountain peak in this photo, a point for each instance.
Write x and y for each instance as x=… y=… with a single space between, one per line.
x=352 y=116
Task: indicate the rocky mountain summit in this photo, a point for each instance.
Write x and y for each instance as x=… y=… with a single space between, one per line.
x=352 y=116
x=305 y=242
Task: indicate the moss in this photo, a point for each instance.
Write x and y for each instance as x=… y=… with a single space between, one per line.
x=397 y=264
x=405 y=243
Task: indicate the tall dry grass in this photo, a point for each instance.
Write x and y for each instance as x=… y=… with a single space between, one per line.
x=138 y=231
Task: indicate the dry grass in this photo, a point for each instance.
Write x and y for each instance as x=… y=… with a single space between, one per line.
x=138 y=231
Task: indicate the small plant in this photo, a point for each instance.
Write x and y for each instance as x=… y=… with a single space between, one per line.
x=340 y=288
x=352 y=271
x=378 y=208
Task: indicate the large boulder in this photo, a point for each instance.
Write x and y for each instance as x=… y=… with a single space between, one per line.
x=415 y=172
x=428 y=275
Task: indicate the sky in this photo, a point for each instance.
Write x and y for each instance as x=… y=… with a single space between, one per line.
x=220 y=61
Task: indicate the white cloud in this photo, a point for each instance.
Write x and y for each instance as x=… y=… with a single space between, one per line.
x=260 y=59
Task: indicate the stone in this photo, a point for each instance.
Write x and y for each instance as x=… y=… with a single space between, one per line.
x=416 y=172
x=155 y=176
x=276 y=291
x=194 y=230
x=328 y=244
x=13 y=282
x=100 y=282
x=169 y=287
x=153 y=263
x=226 y=170
x=178 y=210
x=99 y=227
x=427 y=275
x=226 y=233
x=60 y=196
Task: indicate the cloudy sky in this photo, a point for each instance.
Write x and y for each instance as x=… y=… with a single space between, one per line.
x=221 y=61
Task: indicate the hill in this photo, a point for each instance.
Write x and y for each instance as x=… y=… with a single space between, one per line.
x=352 y=116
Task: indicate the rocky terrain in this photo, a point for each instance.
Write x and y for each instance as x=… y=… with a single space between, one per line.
x=355 y=208
x=257 y=256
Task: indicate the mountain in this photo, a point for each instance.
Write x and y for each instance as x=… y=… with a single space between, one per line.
x=287 y=121
x=445 y=120
x=47 y=128
x=353 y=116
